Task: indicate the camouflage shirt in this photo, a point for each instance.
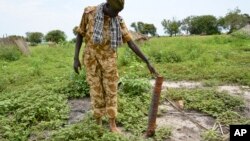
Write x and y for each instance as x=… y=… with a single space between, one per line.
x=86 y=29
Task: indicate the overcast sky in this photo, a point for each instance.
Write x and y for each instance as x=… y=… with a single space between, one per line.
x=20 y=16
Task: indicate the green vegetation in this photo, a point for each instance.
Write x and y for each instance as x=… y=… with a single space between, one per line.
x=219 y=105
x=55 y=36
x=34 y=89
x=220 y=59
x=211 y=135
x=9 y=53
x=144 y=28
x=34 y=37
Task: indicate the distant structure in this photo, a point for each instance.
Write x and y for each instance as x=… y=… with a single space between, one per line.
x=246 y=29
x=18 y=42
x=138 y=36
x=243 y=32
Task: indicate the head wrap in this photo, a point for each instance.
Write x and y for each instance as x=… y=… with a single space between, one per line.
x=116 y=4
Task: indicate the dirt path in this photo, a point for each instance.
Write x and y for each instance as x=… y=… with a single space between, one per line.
x=78 y=109
x=186 y=126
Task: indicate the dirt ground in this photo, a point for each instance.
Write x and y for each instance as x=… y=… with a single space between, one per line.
x=186 y=125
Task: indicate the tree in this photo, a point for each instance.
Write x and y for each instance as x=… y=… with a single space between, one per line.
x=144 y=28
x=186 y=24
x=75 y=30
x=75 y=33
x=234 y=20
x=171 y=27
x=34 y=37
x=134 y=25
x=55 y=36
x=149 y=29
x=206 y=24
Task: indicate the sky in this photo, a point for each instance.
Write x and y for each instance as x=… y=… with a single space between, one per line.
x=20 y=16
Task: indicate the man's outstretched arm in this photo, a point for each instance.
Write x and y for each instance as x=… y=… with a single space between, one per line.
x=138 y=52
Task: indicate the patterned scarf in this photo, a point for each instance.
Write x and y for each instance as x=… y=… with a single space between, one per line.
x=116 y=37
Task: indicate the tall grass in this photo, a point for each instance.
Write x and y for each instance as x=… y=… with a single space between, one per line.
x=9 y=53
x=223 y=58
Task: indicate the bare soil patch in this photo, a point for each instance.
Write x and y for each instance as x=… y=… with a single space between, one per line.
x=78 y=109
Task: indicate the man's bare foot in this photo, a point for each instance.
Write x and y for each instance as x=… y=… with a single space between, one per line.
x=112 y=126
x=115 y=130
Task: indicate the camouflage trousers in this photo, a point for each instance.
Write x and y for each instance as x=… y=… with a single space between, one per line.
x=102 y=77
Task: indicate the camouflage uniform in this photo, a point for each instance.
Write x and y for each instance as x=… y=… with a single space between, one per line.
x=100 y=64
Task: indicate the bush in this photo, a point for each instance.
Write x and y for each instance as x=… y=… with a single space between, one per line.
x=126 y=57
x=173 y=57
x=77 y=86
x=34 y=37
x=55 y=36
x=9 y=53
x=157 y=55
x=134 y=86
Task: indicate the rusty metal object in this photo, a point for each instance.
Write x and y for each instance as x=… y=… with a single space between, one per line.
x=154 y=107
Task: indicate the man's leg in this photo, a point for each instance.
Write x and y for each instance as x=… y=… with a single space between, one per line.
x=94 y=79
x=110 y=83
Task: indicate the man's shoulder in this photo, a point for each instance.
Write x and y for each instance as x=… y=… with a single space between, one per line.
x=89 y=9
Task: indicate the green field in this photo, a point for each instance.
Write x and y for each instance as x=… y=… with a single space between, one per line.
x=34 y=89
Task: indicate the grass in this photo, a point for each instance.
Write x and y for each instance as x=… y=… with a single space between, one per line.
x=9 y=53
x=224 y=59
x=34 y=90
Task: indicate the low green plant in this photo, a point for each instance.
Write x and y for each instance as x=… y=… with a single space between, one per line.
x=86 y=130
x=77 y=86
x=134 y=86
x=163 y=133
x=132 y=112
x=3 y=84
x=126 y=57
x=172 y=57
x=211 y=135
x=207 y=100
x=133 y=104
x=22 y=111
x=157 y=55
x=231 y=117
x=9 y=53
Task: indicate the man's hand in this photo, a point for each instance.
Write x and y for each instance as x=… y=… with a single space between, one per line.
x=152 y=70
x=77 y=65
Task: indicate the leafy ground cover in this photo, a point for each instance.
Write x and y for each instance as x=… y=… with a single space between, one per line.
x=34 y=90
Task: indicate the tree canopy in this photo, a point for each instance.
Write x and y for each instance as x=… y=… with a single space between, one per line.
x=172 y=27
x=55 y=36
x=234 y=20
x=75 y=30
x=206 y=25
x=34 y=37
x=144 y=28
